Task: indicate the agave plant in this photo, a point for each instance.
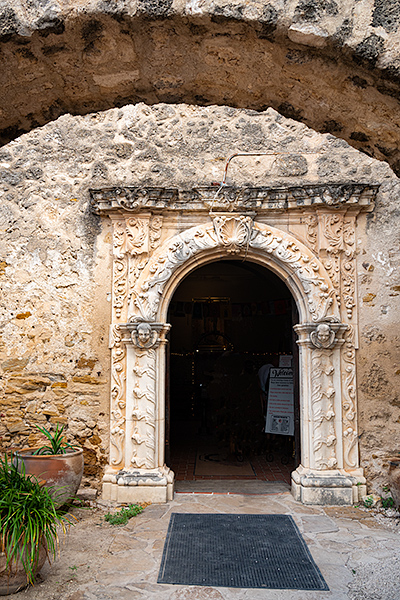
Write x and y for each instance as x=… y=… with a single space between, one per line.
x=29 y=520
x=57 y=445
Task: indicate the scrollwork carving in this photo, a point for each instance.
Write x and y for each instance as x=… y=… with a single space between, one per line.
x=297 y=259
x=155 y=231
x=136 y=236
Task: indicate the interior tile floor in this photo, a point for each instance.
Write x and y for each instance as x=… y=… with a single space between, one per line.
x=219 y=464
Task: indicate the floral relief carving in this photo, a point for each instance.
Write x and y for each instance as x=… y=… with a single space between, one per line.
x=118 y=404
x=305 y=267
x=298 y=260
x=322 y=401
x=134 y=239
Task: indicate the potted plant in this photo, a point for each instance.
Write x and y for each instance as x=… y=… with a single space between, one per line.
x=58 y=464
x=29 y=523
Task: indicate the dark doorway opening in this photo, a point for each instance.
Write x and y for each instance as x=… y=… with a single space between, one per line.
x=228 y=319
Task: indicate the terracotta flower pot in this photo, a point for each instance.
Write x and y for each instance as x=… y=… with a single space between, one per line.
x=394 y=480
x=14 y=579
x=61 y=472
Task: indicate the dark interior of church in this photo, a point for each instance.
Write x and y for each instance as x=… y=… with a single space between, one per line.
x=228 y=319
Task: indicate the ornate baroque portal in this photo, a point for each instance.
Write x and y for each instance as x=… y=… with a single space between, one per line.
x=307 y=236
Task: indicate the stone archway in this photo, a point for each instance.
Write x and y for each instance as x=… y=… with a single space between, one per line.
x=334 y=70
x=145 y=277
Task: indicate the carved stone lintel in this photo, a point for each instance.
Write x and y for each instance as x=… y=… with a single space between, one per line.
x=358 y=196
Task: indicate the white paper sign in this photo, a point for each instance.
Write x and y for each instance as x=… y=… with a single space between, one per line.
x=285 y=360
x=280 y=410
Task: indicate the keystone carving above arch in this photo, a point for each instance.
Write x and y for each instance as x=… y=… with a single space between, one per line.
x=238 y=235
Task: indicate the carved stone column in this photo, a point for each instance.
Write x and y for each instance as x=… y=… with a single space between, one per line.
x=322 y=477
x=142 y=475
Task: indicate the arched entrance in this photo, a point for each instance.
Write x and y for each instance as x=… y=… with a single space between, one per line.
x=231 y=321
x=147 y=272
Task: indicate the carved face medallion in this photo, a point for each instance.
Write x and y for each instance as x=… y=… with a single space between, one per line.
x=323 y=336
x=143 y=336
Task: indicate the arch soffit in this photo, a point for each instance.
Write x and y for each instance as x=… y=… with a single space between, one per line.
x=82 y=35
x=235 y=236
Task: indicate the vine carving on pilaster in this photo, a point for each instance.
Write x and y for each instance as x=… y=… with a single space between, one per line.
x=118 y=405
x=155 y=232
x=134 y=240
x=349 y=399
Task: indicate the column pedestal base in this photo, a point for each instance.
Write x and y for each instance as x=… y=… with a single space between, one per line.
x=333 y=487
x=139 y=485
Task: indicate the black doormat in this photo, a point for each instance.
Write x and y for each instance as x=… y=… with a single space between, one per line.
x=239 y=551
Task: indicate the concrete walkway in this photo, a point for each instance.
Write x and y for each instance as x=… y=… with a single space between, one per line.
x=104 y=562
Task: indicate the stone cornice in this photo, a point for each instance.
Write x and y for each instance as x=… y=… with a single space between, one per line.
x=354 y=196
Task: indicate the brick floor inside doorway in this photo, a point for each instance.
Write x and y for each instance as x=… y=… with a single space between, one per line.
x=184 y=457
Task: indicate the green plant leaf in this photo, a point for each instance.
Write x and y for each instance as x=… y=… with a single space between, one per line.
x=58 y=444
x=122 y=516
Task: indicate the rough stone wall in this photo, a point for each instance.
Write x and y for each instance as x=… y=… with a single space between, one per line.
x=55 y=261
x=334 y=65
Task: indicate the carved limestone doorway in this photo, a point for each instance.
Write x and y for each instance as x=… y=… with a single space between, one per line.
x=307 y=237
x=228 y=320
